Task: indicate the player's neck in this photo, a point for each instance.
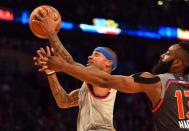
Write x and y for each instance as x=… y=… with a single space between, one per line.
x=107 y=70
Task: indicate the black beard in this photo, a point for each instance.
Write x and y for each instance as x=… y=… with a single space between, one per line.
x=186 y=71
x=162 y=67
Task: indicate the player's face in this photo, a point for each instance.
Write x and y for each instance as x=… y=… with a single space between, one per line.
x=170 y=54
x=98 y=60
x=166 y=61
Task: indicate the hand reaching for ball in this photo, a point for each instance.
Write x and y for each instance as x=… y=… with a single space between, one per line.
x=45 y=20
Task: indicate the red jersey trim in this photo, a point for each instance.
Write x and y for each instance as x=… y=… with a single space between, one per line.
x=166 y=88
x=158 y=105
x=93 y=95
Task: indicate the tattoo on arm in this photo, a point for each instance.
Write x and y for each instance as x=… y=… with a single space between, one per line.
x=59 y=48
x=63 y=99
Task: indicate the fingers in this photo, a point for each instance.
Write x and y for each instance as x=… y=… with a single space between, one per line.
x=36 y=21
x=43 y=68
x=40 y=54
x=39 y=17
x=48 y=51
x=43 y=12
x=39 y=61
x=54 y=52
x=44 y=54
x=46 y=11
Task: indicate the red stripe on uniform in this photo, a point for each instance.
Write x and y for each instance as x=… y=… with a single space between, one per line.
x=166 y=88
x=158 y=106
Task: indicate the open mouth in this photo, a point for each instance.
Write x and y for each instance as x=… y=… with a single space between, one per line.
x=89 y=63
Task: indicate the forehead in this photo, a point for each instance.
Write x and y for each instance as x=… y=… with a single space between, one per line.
x=174 y=48
x=98 y=53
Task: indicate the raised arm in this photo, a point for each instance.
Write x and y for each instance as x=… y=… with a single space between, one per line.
x=59 y=48
x=47 y=24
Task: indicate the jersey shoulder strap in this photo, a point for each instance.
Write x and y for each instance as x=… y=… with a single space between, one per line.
x=139 y=79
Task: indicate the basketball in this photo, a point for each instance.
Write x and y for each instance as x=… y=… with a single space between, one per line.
x=37 y=29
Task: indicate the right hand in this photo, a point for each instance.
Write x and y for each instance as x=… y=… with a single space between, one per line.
x=43 y=18
x=39 y=60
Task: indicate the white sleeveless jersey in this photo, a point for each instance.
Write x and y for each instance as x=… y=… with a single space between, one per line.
x=95 y=114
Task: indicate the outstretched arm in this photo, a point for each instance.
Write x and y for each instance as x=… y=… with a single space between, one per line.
x=97 y=77
x=125 y=84
x=100 y=78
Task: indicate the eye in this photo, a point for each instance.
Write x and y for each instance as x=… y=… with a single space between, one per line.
x=96 y=54
x=167 y=53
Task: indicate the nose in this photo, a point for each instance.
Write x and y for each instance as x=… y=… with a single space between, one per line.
x=162 y=56
x=90 y=57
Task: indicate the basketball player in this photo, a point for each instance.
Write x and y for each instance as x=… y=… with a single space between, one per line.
x=167 y=88
x=95 y=103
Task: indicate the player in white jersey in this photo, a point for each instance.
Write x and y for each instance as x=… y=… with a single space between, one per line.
x=95 y=103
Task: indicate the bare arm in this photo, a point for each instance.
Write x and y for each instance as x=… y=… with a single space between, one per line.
x=63 y=99
x=99 y=78
x=59 y=48
x=48 y=25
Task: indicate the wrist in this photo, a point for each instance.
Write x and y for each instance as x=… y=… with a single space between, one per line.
x=52 y=33
x=50 y=73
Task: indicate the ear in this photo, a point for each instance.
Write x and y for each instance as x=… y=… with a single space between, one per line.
x=109 y=63
x=178 y=62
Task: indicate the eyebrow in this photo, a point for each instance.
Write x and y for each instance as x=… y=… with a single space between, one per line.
x=97 y=52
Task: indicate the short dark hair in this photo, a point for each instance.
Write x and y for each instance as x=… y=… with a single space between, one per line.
x=185 y=47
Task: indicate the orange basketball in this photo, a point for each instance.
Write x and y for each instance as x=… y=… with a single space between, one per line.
x=36 y=28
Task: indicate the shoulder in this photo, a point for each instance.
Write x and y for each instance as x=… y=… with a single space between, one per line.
x=146 y=78
x=147 y=75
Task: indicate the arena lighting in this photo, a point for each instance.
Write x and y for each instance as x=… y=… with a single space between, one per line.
x=143 y=34
x=169 y=32
x=67 y=25
x=88 y=28
x=160 y=3
x=183 y=34
x=25 y=16
x=105 y=22
x=106 y=26
x=99 y=29
x=6 y=15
